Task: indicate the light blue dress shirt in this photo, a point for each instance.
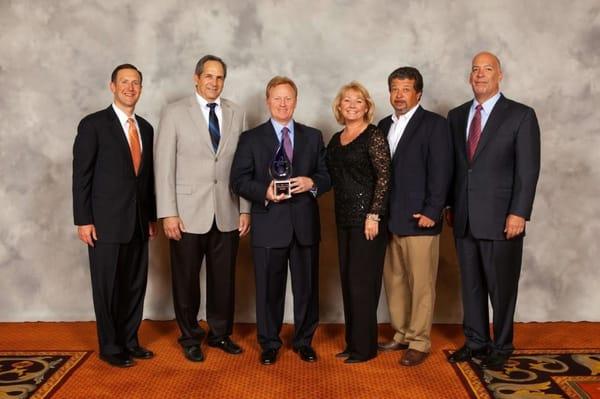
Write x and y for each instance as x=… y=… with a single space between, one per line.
x=488 y=106
x=278 y=126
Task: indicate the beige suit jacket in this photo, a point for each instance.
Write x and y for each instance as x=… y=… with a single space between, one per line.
x=192 y=182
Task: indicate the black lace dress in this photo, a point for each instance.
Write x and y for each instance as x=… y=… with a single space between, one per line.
x=360 y=173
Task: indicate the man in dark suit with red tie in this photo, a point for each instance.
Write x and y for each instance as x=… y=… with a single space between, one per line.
x=497 y=164
x=115 y=213
x=285 y=227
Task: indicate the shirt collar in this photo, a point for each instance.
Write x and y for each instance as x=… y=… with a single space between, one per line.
x=203 y=102
x=488 y=105
x=278 y=126
x=122 y=115
x=405 y=117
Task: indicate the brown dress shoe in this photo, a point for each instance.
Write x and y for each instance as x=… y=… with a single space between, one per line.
x=413 y=357
x=391 y=346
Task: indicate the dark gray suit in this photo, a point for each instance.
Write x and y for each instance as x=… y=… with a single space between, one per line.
x=500 y=180
x=120 y=204
x=421 y=171
x=288 y=230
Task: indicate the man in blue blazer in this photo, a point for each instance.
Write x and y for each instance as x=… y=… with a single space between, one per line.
x=496 y=168
x=285 y=228
x=421 y=172
x=115 y=212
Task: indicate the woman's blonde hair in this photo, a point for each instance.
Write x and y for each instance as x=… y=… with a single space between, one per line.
x=354 y=85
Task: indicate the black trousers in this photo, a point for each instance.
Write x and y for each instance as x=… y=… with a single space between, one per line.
x=361 y=271
x=489 y=268
x=119 y=275
x=220 y=249
x=270 y=267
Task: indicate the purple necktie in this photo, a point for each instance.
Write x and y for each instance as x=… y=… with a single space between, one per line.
x=474 y=133
x=287 y=143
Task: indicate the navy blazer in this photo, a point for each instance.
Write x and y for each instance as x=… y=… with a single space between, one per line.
x=106 y=191
x=503 y=175
x=274 y=224
x=421 y=173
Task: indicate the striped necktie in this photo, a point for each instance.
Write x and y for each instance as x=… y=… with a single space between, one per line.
x=213 y=126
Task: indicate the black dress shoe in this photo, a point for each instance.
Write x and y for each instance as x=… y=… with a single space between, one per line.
x=495 y=361
x=353 y=359
x=118 y=359
x=193 y=353
x=226 y=345
x=343 y=354
x=306 y=353
x=268 y=356
x=140 y=352
x=391 y=346
x=465 y=354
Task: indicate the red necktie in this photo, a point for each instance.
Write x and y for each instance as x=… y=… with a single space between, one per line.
x=134 y=145
x=474 y=133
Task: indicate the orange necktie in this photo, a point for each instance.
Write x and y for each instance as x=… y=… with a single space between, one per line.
x=134 y=145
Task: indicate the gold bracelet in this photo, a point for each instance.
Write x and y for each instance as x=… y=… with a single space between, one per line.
x=374 y=217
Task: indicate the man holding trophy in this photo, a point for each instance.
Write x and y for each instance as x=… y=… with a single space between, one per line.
x=280 y=167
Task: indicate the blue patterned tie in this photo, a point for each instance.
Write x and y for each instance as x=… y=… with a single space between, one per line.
x=213 y=126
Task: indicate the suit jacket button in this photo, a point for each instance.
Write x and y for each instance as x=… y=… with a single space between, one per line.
x=215 y=181
x=216 y=159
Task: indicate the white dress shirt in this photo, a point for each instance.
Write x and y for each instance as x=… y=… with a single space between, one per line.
x=206 y=111
x=399 y=124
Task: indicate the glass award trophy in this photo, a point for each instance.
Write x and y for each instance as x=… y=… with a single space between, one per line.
x=281 y=171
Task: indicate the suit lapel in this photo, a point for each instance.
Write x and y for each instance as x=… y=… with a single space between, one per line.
x=385 y=126
x=461 y=140
x=299 y=145
x=117 y=131
x=270 y=137
x=225 y=128
x=491 y=127
x=146 y=144
x=410 y=130
x=199 y=122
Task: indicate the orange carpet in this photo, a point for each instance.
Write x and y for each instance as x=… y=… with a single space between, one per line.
x=169 y=375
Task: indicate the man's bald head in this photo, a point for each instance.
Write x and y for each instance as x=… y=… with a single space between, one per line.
x=486 y=75
x=488 y=55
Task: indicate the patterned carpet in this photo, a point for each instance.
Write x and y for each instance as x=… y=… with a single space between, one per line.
x=542 y=373
x=36 y=374
x=30 y=348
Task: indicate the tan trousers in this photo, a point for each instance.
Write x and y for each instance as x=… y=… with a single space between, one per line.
x=409 y=275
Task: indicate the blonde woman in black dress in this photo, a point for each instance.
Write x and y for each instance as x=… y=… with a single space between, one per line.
x=358 y=159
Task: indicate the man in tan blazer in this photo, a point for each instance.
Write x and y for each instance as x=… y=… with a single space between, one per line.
x=195 y=144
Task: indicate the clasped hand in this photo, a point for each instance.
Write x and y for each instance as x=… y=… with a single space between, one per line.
x=298 y=185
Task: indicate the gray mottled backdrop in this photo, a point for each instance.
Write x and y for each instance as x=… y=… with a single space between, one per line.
x=55 y=58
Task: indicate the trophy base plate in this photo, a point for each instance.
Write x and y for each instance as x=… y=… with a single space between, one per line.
x=283 y=187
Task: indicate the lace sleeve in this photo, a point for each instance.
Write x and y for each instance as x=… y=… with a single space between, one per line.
x=379 y=152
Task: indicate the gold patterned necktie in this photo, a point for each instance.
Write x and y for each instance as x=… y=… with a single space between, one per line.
x=134 y=145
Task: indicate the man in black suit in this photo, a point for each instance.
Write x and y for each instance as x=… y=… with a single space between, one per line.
x=115 y=213
x=421 y=171
x=497 y=164
x=285 y=228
